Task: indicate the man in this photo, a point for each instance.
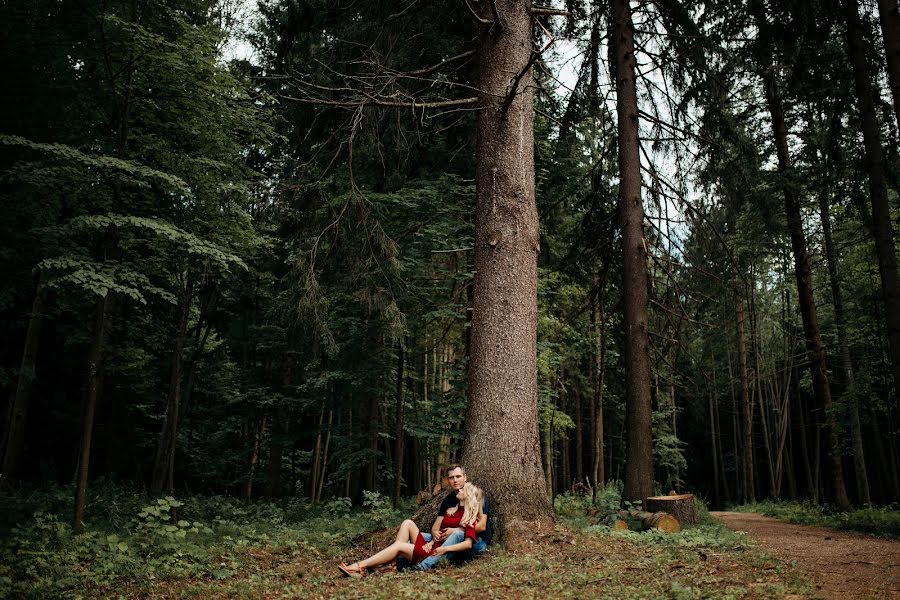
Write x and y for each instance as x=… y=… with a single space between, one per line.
x=456 y=474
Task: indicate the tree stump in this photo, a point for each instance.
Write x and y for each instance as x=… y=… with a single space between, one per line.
x=680 y=506
x=660 y=521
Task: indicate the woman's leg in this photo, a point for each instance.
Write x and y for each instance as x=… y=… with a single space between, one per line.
x=385 y=556
x=408 y=532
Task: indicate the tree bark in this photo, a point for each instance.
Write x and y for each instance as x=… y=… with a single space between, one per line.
x=502 y=445
x=748 y=488
x=398 y=434
x=814 y=346
x=639 y=442
x=164 y=466
x=93 y=389
x=890 y=30
x=597 y=472
x=18 y=411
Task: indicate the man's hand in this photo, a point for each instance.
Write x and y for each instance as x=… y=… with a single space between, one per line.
x=440 y=551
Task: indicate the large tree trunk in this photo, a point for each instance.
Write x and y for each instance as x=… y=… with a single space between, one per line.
x=814 y=347
x=890 y=30
x=18 y=411
x=874 y=164
x=92 y=395
x=746 y=418
x=639 y=442
x=502 y=446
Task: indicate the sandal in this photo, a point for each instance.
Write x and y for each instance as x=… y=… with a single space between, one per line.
x=346 y=570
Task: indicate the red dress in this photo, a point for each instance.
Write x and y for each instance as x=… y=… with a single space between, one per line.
x=450 y=522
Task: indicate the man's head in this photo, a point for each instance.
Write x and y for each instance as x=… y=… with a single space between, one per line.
x=457 y=476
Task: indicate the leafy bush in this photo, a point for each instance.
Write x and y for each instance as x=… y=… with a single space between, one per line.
x=131 y=537
x=882 y=521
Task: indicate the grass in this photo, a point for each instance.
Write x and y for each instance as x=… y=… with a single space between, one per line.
x=225 y=548
x=881 y=522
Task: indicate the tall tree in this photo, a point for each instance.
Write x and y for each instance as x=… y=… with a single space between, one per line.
x=808 y=312
x=502 y=445
x=639 y=444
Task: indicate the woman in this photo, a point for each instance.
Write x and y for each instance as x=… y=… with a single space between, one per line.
x=411 y=544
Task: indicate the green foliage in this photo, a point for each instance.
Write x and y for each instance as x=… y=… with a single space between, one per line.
x=881 y=521
x=208 y=537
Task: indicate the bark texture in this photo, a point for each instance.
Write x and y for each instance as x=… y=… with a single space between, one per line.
x=502 y=447
x=639 y=444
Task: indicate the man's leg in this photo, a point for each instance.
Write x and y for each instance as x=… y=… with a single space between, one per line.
x=475 y=551
x=454 y=538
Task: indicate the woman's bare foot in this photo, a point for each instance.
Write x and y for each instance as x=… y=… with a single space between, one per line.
x=353 y=570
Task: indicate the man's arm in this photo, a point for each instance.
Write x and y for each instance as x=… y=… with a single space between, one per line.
x=481 y=525
x=436 y=529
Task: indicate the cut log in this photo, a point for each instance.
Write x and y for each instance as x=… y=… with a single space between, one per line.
x=660 y=521
x=680 y=506
x=424 y=497
x=620 y=525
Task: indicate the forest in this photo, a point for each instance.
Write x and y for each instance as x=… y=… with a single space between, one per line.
x=269 y=267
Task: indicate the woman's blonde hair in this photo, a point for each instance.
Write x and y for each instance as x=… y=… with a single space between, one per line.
x=472 y=505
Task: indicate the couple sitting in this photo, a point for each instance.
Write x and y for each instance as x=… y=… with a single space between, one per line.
x=460 y=530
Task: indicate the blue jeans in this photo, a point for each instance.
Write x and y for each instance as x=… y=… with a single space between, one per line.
x=454 y=538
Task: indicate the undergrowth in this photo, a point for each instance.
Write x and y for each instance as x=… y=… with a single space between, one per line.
x=130 y=537
x=882 y=521
x=220 y=547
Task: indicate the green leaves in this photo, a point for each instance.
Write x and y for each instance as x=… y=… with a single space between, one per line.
x=107 y=165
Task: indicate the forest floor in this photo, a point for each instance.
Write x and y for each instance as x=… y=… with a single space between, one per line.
x=704 y=562
x=840 y=564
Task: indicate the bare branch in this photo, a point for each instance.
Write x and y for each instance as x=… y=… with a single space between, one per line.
x=549 y=11
x=475 y=14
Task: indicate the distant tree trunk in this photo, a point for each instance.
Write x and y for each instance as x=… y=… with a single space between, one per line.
x=717 y=499
x=502 y=445
x=882 y=228
x=102 y=310
x=258 y=430
x=372 y=467
x=276 y=452
x=320 y=484
x=316 y=458
x=814 y=346
x=890 y=31
x=579 y=437
x=859 y=460
x=639 y=441
x=18 y=411
x=747 y=486
x=597 y=472
x=717 y=428
x=398 y=453
x=164 y=466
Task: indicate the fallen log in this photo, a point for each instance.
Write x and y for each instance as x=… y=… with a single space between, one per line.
x=680 y=506
x=660 y=521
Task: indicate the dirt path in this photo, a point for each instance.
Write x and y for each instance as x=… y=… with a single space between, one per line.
x=840 y=564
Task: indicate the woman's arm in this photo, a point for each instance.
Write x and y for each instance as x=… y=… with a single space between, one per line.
x=463 y=545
